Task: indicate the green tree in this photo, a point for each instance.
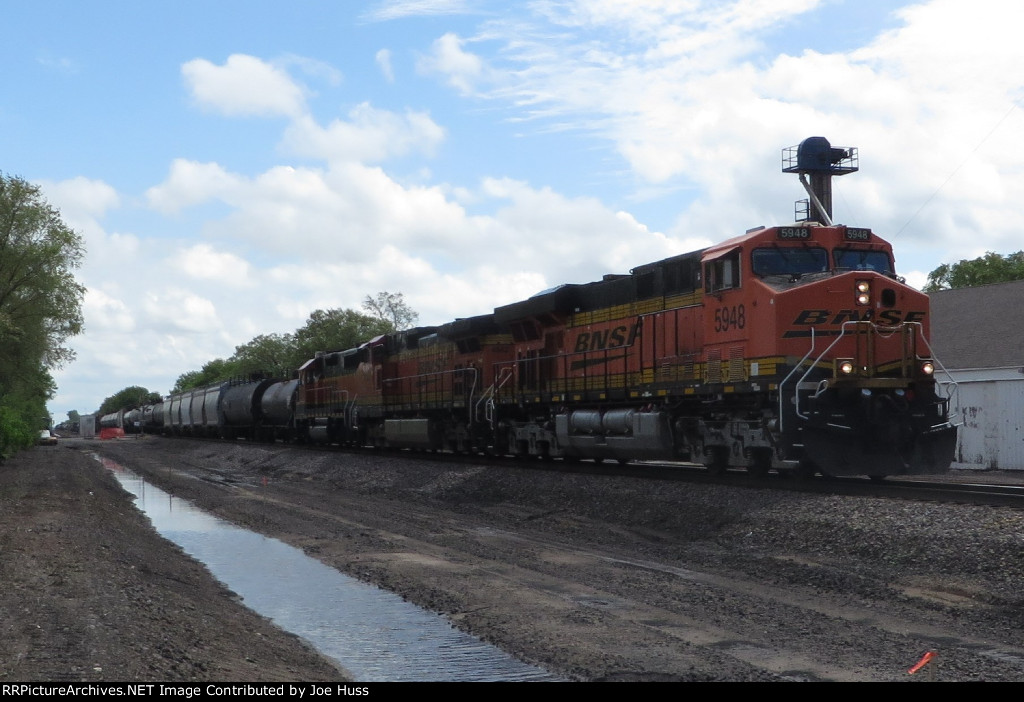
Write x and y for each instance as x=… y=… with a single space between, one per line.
x=131 y=397
x=270 y=354
x=984 y=270
x=278 y=355
x=72 y=423
x=40 y=307
x=391 y=308
x=336 y=330
x=214 y=371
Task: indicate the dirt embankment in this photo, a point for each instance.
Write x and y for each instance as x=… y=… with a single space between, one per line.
x=92 y=593
x=595 y=578
x=612 y=578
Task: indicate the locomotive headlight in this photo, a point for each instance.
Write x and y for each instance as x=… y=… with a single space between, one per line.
x=927 y=367
x=863 y=292
x=845 y=366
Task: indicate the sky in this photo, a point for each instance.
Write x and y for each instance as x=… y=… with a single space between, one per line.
x=233 y=166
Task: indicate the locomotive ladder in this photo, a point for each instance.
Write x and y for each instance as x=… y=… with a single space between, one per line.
x=487 y=397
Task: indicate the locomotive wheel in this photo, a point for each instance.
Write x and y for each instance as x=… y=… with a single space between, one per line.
x=806 y=470
x=716 y=459
x=760 y=462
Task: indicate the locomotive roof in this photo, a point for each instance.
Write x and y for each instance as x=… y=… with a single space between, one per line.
x=571 y=297
x=470 y=326
x=692 y=256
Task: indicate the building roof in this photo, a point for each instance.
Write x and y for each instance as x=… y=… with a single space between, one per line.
x=980 y=327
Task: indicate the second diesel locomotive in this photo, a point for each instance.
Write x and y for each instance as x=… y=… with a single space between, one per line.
x=792 y=347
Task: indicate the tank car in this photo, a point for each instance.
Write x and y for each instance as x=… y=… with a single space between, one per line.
x=276 y=412
x=113 y=420
x=236 y=409
x=153 y=418
x=133 y=421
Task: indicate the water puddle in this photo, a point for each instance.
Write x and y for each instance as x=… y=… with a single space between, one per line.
x=372 y=633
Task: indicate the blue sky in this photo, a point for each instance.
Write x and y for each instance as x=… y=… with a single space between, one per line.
x=233 y=166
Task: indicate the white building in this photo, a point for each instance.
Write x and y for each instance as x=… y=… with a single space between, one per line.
x=87 y=426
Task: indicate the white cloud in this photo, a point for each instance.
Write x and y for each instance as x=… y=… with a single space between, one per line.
x=320 y=70
x=383 y=58
x=190 y=183
x=244 y=85
x=369 y=135
x=204 y=262
x=462 y=70
x=81 y=201
x=385 y=10
x=181 y=310
x=106 y=314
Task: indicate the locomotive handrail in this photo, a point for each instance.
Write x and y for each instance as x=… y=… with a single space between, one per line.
x=469 y=396
x=842 y=333
x=351 y=411
x=487 y=397
x=954 y=387
x=815 y=362
x=337 y=393
x=796 y=394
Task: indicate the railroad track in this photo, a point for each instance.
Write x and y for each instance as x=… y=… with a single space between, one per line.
x=927 y=488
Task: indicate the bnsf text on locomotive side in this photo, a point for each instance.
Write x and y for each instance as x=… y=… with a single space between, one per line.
x=894 y=317
x=606 y=339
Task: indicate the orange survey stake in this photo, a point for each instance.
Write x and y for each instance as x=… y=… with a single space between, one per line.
x=925 y=660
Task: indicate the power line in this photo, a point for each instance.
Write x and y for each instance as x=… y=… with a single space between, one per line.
x=955 y=170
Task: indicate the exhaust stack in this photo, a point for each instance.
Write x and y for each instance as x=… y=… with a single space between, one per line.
x=820 y=160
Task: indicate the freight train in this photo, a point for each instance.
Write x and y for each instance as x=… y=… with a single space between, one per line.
x=793 y=348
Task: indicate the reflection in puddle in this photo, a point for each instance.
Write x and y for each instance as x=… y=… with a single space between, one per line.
x=372 y=633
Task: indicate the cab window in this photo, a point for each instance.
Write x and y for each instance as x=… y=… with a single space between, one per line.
x=863 y=260
x=781 y=260
x=723 y=273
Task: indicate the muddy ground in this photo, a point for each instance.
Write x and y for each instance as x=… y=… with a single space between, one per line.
x=92 y=593
x=592 y=577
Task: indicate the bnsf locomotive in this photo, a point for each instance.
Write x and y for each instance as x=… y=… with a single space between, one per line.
x=791 y=348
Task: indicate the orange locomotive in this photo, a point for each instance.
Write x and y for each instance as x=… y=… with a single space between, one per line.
x=793 y=347
x=424 y=388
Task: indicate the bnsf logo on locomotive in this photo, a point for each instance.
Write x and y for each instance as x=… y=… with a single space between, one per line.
x=606 y=339
x=894 y=317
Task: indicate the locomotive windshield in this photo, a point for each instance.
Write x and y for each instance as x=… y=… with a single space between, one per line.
x=863 y=260
x=788 y=260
